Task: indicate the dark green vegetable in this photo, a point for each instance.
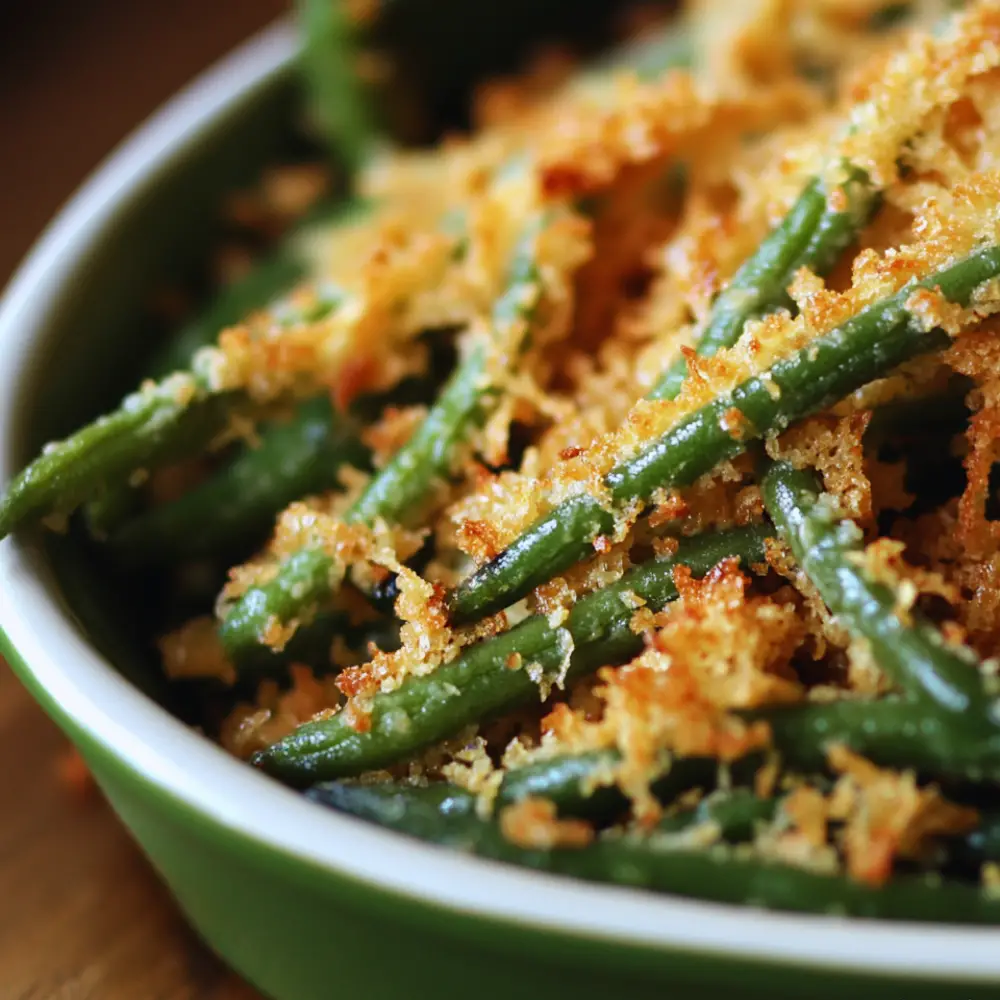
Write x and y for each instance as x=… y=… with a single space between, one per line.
x=737 y=814
x=891 y=733
x=263 y=286
x=310 y=646
x=313 y=647
x=402 y=71
x=235 y=508
x=446 y=815
x=913 y=654
x=277 y=274
x=867 y=346
x=260 y=287
x=941 y=414
x=498 y=674
x=889 y=16
x=977 y=848
x=399 y=491
x=106 y=513
x=339 y=97
x=152 y=426
x=161 y=422
x=811 y=235
x=571 y=781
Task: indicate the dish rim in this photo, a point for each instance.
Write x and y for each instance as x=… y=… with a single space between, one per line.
x=195 y=772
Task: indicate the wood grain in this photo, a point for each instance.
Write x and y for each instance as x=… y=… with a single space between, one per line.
x=82 y=917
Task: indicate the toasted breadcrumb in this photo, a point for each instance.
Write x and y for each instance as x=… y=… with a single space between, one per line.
x=887 y=815
x=652 y=193
x=533 y=824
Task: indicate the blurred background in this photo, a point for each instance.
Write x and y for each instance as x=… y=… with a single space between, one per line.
x=75 y=77
x=81 y=915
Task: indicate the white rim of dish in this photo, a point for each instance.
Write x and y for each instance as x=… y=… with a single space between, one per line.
x=231 y=794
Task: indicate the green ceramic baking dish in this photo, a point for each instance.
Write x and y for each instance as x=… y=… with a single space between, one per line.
x=305 y=903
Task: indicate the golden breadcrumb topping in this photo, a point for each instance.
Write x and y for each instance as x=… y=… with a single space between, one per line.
x=577 y=241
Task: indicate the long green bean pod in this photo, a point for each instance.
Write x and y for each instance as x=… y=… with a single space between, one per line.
x=152 y=426
x=811 y=235
x=401 y=71
x=908 y=649
x=160 y=422
x=501 y=673
x=830 y=367
x=298 y=255
x=267 y=280
x=938 y=415
x=339 y=97
x=446 y=815
x=576 y=782
x=399 y=491
x=891 y=732
x=735 y=813
x=235 y=508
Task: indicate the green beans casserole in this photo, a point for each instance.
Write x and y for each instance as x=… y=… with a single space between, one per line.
x=600 y=478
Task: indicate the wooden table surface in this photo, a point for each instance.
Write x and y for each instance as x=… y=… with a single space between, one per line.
x=81 y=915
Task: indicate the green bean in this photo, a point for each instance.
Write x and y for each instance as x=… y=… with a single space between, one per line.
x=888 y=17
x=295 y=458
x=107 y=512
x=298 y=256
x=161 y=422
x=260 y=287
x=811 y=235
x=833 y=365
x=236 y=507
x=913 y=654
x=391 y=804
x=892 y=732
x=313 y=647
x=570 y=781
x=339 y=97
x=573 y=781
x=498 y=674
x=294 y=260
x=736 y=813
x=446 y=815
x=944 y=413
x=310 y=646
x=399 y=492
x=402 y=71
x=152 y=426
